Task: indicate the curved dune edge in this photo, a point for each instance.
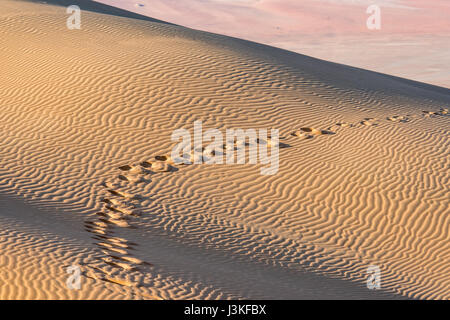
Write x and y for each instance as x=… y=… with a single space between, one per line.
x=363 y=181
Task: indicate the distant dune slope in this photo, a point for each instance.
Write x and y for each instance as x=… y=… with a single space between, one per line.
x=83 y=113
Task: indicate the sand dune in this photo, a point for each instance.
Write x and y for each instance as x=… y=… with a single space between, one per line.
x=85 y=178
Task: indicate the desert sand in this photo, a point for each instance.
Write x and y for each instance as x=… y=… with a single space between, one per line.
x=85 y=129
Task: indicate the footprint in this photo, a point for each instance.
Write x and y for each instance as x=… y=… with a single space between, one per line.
x=271 y=143
x=369 y=122
x=161 y=167
x=121 y=206
x=121 y=265
x=133 y=260
x=282 y=145
x=107 y=250
x=151 y=296
x=230 y=147
x=117 y=212
x=138 y=170
x=111 y=247
x=101 y=214
x=130 y=178
x=105 y=245
x=122 y=194
x=344 y=124
x=146 y=164
x=134 y=170
x=315 y=131
x=98 y=231
x=308 y=133
x=430 y=113
x=442 y=112
x=302 y=135
x=125 y=168
x=91 y=226
x=110 y=185
x=100 y=224
x=97 y=273
x=397 y=119
x=120 y=203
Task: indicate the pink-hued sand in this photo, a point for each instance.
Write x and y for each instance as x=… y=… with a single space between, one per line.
x=413 y=42
x=87 y=178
